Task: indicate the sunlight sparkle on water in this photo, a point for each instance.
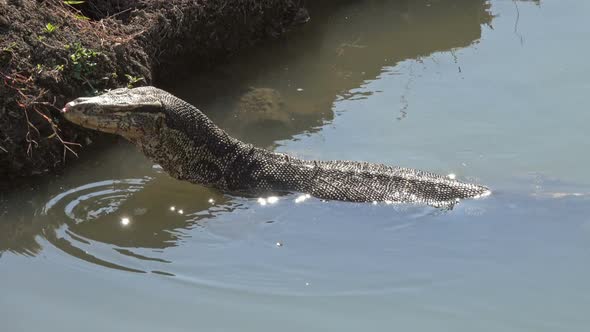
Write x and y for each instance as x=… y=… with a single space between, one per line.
x=302 y=198
x=125 y=221
x=172 y=208
x=269 y=200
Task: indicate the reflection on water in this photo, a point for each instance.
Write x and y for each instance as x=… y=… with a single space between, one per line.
x=425 y=84
x=136 y=217
x=329 y=59
x=290 y=92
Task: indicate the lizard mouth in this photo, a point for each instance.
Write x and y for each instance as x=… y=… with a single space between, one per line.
x=73 y=104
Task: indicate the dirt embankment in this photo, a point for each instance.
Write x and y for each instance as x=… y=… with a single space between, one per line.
x=53 y=51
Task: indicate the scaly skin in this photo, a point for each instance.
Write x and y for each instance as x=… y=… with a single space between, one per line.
x=190 y=147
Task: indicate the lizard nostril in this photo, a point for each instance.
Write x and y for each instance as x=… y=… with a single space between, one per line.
x=67 y=106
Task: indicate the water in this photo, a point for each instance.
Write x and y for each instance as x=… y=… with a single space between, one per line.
x=490 y=92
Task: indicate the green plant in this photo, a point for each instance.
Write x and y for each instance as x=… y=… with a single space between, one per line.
x=82 y=17
x=10 y=48
x=82 y=60
x=7 y=52
x=49 y=28
x=77 y=2
x=131 y=80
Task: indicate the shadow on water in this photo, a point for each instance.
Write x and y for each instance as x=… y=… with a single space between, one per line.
x=295 y=80
x=335 y=53
x=99 y=204
x=514 y=117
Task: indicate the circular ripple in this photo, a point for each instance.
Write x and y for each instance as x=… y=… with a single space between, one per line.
x=105 y=223
x=93 y=200
x=137 y=225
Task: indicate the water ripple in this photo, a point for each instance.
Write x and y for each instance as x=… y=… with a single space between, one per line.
x=123 y=224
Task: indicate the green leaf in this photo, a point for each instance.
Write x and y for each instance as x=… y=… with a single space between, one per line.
x=49 y=28
x=82 y=17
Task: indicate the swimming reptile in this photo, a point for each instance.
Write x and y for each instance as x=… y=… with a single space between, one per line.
x=189 y=146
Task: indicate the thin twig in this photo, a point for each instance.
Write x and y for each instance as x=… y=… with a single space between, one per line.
x=121 y=12
x=516 y=23
x=27 y=102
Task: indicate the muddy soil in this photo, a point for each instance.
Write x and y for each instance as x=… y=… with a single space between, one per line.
x=52 y=52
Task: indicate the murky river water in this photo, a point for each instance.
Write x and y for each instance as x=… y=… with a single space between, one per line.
x=493 y=92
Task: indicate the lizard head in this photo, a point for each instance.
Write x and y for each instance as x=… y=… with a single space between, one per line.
x=131 y=113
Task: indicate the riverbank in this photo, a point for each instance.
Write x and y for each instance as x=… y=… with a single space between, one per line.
x=52 y=52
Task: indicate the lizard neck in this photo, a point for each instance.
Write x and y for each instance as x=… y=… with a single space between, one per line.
x=191 y=147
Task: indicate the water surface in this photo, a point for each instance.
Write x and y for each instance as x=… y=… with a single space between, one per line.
x=492 y=92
